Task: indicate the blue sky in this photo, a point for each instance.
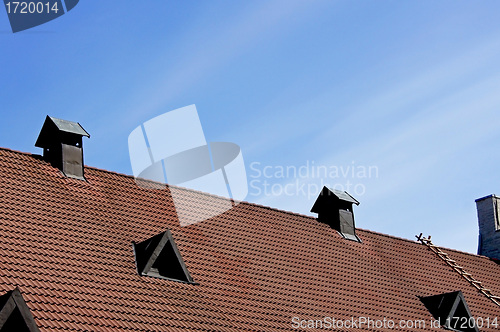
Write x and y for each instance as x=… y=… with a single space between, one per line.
x=410 y=88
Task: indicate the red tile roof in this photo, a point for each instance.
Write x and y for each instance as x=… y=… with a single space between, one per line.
x=67 y=245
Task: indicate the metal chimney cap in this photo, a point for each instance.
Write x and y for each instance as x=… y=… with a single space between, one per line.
x=69 y=126
x=52 y=124
x=485 y=197
x=328 y=196
x=344 y=195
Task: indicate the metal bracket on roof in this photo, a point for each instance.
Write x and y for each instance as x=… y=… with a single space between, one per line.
x=453 y=264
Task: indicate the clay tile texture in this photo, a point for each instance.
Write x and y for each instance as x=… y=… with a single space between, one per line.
x=67 y=245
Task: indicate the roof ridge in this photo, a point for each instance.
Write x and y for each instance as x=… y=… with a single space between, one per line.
x=111 y=172
x=416 y=242
x=164 y=184
x=172 y=185
x=204 y=193
x=386 y=235
x=296 y=214
x=19 y=152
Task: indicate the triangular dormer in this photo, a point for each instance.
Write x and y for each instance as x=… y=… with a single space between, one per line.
x=159 y=257
x=451 y=310
x=15 y=315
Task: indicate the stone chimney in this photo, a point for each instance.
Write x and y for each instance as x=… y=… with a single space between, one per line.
x=488 y=213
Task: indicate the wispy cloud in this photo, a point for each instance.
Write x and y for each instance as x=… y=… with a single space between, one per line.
x=199 y=58
x=423 y=128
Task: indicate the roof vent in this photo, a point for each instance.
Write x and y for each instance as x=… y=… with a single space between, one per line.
x=61 y=141
x=334 y=207
x=159 y=257
x=451 y=310
x=15 y=314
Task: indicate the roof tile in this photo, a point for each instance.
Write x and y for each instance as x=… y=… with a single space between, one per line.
x=67 y=244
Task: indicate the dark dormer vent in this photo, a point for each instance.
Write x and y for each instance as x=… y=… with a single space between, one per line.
x=451 y=310
x=334 y=207
x=159 y=257
x=15 y=315
x=62 y=145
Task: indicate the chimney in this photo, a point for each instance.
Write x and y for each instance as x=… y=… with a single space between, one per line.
x=488 y=213
x=61 y=141
x=334 y=207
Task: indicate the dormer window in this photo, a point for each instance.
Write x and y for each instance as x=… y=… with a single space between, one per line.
x=15 y=315
x=159 y=257
x=451 y=310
